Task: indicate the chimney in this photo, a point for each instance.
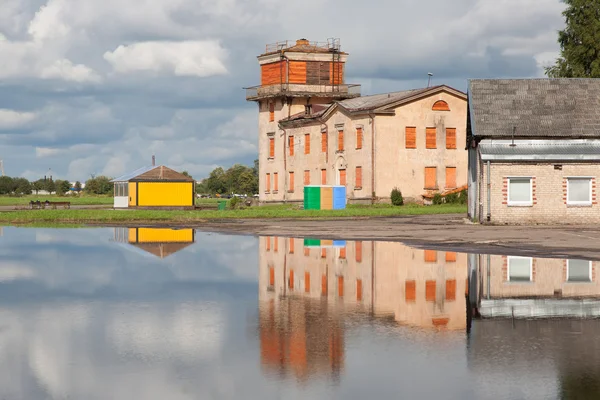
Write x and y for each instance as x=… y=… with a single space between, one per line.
x=302 y=42
x=153 y=160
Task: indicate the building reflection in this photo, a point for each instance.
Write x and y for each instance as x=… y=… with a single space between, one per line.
x=160 y=242
x=310 y=289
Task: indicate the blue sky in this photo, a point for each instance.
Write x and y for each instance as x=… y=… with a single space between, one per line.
x=97 y=87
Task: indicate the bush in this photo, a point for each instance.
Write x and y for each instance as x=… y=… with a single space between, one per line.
x=437 y=199
x=451 y=198
x=463 y=197
x=234 y=202
x=397 y=198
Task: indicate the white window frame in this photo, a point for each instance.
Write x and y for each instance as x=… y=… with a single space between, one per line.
x=509 y=258
x=589 y=272
x=520 y=203
x=579 y=203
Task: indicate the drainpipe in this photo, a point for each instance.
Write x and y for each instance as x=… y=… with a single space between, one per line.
x=372 y=157
x=489 y=190
x=285 y=172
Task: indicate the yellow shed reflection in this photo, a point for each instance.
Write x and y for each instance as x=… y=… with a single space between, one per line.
x=161 y=242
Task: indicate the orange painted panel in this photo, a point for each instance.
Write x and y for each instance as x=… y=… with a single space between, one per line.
x=450 y=177
x=307 y=143
x=340 y=140
x=323 y=177
x=307 y=177
x=450 y=256
x=342 y=177
x=291 y=281
x=268 y=243
x=411 y=137
x=451 y=138
x=307 y=251
x=271 y=276
x=323 y=253
x=291 y=145
x=323 y=142
x=440 y=105
x=272 y=73
x=272 y=147
x=291 y=182
x=297 y=72
x=324 y=285
x=268 y=182
x=430 y=138
x=359 y=138
x=271 y=112
x=451 y=289
x=430 y=178
x=358 y=182
x=430 y=290
x=275 y=244
x=343 y=252
x=410 y=291
x=307 y=282
x=340 y=286
x=292 y=245
x=336 y=73
x=440 y=322
x=430 y=256
x=358 y=251
x=359 y=290
x=275 y=181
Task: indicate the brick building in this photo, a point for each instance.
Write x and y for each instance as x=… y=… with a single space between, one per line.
x=534 y=150
x=314 y=129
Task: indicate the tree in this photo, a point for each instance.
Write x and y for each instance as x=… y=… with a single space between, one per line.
x=50 y=186
x=7 y=185
x=99 y=185
x=22 y=186
x=62 y=187
x=216 y=181
x=579 y=41
x=78 y=186
x=38 y=185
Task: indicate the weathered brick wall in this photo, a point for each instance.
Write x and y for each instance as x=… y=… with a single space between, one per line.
x=549 y=194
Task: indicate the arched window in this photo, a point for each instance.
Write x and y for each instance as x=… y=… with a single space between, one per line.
x=440 y=105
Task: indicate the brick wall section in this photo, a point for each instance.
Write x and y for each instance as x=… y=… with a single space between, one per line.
x=549 y=194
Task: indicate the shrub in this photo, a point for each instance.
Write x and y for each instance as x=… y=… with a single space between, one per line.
x=451 y=198
x=437 y=199
x=397 y=198
x=463 y=197
x=233 y=203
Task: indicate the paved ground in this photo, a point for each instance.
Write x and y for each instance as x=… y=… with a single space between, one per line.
x=446 y=232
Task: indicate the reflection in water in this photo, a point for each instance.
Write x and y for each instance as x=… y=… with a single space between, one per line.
x=161 y=242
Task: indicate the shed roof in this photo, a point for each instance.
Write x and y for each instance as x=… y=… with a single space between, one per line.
x=541 y=150
x=536 y=108
x=153 y=173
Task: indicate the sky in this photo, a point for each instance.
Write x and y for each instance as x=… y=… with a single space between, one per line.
x=98 y=87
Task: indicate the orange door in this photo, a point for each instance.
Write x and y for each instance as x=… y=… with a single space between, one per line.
x=342 y=177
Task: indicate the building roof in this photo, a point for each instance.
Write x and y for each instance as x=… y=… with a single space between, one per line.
x=535 y=108
x=383 y=102
x=153 y=173
x=541 y=150
x=162 y=250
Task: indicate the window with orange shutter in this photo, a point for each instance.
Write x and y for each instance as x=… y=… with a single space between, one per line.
x=430 y=290
x=307 y=143
x=451 y=289
x=292 y=183
x=271 y=147
x=268 y=183
x=323 y=177
x=358 y=251
x=411 y=137
x=450 y=177
x=440 y=105
x=430 y=256
x=430 y=178
x=291 y=245
x=340 y=286
x=342 y=177
x=291 y=145
x=451 y=138
x=307 y=251
x=307 y=282
x=276 y=244
x=343 y=252
x=324 y=285
x=324 y=142
x=323 y=253
x=340 y=140
x=271 y=112
x=430 y=141
x=271 y=276
x=268 y=243
x=291 y=281
x=450 y=256
x=359 y=137
x=410 y=291
x=306 y=177
x=275 y=182
x=359 y=290
x=358 y=183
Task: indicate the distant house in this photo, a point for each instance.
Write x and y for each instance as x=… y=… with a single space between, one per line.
x=534 y=150
x=154 y=187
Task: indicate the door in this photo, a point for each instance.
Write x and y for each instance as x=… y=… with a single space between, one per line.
x=132 y=194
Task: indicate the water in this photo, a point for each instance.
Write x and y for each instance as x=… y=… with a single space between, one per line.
x=161 y=314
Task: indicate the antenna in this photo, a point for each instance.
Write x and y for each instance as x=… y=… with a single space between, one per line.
x=513 y=137
x=429 y=74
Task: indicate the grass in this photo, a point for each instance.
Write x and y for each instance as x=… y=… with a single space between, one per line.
x=177 y=217
x=75 y=200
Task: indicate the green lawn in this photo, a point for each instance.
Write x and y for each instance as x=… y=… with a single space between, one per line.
x=280 y=211
x=75 y=200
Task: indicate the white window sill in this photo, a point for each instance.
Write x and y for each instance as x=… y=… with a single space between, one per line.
x=519 y=282
x=579 y=204
x=520 y=204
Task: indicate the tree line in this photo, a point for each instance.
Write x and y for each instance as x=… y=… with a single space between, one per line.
x=18 y=186
x=239 y=179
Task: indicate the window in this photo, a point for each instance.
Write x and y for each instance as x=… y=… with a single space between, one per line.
x=410 y=291
x=450 y=256
x=430 y=289
x=359 y=137
x=323 y=177
x=323 y=252
x=275 y=182
x=291 y=145
x=323 y=285
x=292 y=245
x=291 y=182
x=343 y=253
x=271 y=276
x=451 y=289
x=342 y=177
x=440 y=105
x=519 y=192
x=271 y=147
x=358 y=183
x=324 y=142
x=307 y=143
x=430 y=178
x=275 y=244
x=340 y=140
x=519 y=269
x=307 y=282
x=579 y=191
x=267 y=183
x=268 y=243
x=579 y=271
x=430 y=141
x=430 y=256
x=358 y=251
x=411 y=137
x=306 y=177
x=451 y=138
x=291 y=281
x=341 y=286
x=450 y=177
x=271 y=112
x=359 y=290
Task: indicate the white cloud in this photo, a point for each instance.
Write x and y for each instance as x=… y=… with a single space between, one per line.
x=10 y=119
x=41 y=152
x=188 y=58
x=65 y=70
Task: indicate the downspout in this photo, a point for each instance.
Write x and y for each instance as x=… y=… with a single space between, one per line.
x=372 y=158
x=285 y=171
x=489 y=190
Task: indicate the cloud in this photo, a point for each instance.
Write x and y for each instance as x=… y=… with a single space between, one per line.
x=65 y=70
x=187 y=58
x=10 y=119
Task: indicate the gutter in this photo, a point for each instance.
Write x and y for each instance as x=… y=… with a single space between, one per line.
x=372 y=118
x=285 y=171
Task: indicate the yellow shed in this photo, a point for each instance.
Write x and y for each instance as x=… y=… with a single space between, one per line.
x=154 y=187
